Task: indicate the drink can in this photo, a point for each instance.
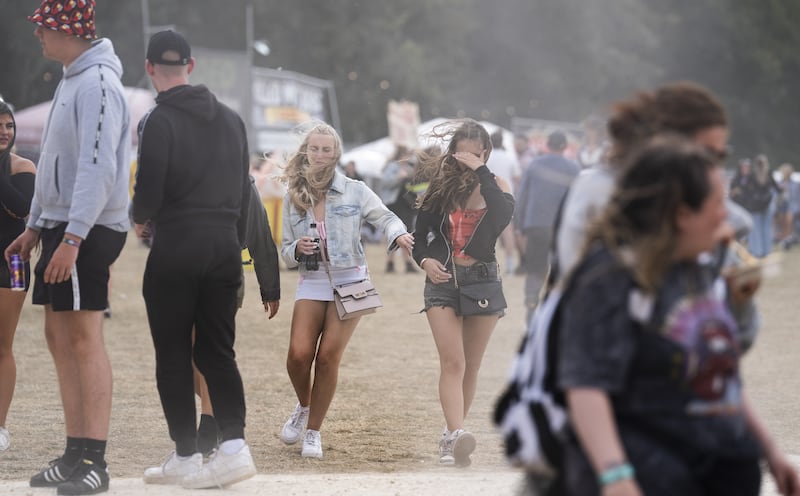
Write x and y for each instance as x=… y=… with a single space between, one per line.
x=17 y=273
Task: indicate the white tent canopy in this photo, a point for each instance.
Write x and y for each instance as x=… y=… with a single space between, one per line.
x=371 y=157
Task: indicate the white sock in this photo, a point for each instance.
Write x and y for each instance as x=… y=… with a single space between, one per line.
x=232 y=446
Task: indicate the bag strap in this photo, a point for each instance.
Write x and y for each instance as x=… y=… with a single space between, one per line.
x=323 y=253
x=323 y=249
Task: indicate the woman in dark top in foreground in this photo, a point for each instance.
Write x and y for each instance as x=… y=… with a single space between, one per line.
x=649 y=353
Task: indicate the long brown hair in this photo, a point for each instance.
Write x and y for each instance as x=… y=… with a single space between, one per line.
x=668 y=173
x=5 y=155
x=450 y=185
x=306 y=186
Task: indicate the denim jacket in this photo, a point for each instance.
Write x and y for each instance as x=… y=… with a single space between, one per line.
x=347 y=203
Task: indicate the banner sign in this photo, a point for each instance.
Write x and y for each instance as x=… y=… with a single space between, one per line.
x=281 y=101
x=403 y=120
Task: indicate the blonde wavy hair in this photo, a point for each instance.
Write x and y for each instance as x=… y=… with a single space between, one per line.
x=450 y=184
x=306 y=185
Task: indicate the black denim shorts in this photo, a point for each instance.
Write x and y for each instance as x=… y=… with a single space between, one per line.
x=445 y=294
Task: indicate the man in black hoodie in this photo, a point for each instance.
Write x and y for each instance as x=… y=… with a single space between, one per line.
x=192 y=184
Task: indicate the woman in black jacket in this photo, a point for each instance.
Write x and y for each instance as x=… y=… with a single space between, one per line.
x=461 y=215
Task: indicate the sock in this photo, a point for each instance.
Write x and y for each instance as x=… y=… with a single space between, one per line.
x=232 y=446
x=208 y=426
x=207 y=434
x=95 y=451
x=74 y=451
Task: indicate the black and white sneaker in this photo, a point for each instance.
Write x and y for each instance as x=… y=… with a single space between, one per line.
x=56 y=473
x=88 y=478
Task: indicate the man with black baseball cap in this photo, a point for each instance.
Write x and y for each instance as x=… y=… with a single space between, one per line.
x=193 y=186
x=168 y=41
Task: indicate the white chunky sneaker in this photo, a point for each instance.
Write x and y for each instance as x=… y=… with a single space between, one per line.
x=174 y=469
x=294 y=427
x=312 y=445
x=446 y=449
x=5 y=439
x=463 y=446
x=222 y=470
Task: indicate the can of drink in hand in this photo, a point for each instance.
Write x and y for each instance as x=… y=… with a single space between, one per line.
x=17 y=267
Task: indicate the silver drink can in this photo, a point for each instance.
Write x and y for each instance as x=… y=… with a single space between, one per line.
x=17 y=267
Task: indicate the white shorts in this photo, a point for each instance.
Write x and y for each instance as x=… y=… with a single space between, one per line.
x=314 y=285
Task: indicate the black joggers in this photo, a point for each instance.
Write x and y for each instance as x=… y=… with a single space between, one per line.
x=190 y=280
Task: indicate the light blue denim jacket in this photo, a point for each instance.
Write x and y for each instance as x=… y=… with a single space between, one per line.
x=347 y=204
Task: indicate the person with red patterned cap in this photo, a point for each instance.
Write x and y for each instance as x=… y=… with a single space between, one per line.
x=79 y=215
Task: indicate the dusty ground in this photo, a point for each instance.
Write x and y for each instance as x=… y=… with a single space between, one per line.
x=385 y=417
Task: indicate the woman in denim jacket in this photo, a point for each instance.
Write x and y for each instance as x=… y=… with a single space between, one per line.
x=323 y=212
x=463 y=212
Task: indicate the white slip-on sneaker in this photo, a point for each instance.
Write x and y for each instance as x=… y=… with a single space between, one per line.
x=222 y=470
x=463 y=446
x=294 y=427
x=174 y=469
x=5 y=439
x=312 y=445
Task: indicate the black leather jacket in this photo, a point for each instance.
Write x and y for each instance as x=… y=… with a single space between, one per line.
x=432 y=231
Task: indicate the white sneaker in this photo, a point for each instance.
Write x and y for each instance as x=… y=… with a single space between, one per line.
x=312 y=445
x=173 y=470
x=463 y=446
x=222 y=470
x=294 y=427
x=5 y=439
x=446 y=449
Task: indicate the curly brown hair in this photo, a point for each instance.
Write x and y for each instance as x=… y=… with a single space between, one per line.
x=667 y=173
x=450 y=185
x=683 y=108
x=306 y=185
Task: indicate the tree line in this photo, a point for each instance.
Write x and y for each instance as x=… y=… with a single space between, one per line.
x=547 y=59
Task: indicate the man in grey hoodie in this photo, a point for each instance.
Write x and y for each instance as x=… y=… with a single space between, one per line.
x=79 y=213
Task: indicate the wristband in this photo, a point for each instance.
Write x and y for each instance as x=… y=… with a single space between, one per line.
x=616 y=473
x=71 y=242
x=421 y=262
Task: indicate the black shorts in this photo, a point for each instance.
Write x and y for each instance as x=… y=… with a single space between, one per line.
x=5 y=272
x=87 y=288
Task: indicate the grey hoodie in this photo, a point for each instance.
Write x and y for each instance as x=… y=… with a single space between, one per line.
x=84 y=168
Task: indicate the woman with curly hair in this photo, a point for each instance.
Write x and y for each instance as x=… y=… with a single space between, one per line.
x=461 y=215
x=648 y=346
x=323 y=212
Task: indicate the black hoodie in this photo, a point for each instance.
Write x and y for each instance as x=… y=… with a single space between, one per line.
x=193 y=163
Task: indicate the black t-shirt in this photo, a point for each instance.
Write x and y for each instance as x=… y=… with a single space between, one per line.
x=669 y=362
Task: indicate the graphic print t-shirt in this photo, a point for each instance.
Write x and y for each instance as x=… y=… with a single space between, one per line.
x=669 y=361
